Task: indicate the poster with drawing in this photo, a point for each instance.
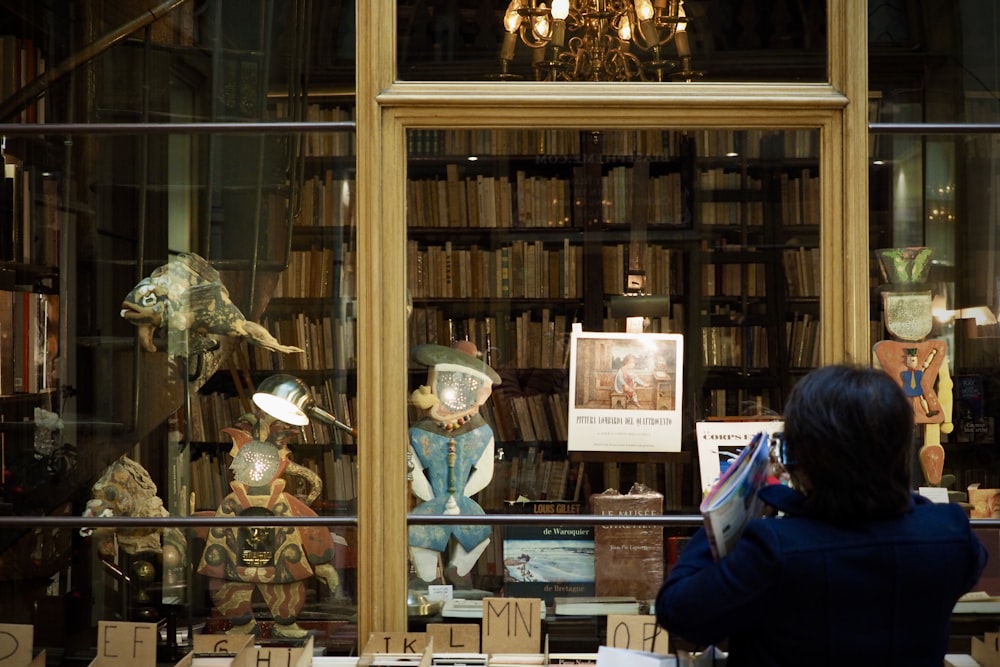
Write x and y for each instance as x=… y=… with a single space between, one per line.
x=625 y=392
x=720 y=442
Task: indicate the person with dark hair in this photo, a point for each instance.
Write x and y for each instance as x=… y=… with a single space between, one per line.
x=855 y=569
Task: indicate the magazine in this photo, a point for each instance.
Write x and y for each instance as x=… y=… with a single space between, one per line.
x=733 y=500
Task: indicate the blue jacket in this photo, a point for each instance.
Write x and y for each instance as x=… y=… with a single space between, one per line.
x=797 y=591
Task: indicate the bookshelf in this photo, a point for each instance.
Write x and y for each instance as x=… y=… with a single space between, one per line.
x=513 y=236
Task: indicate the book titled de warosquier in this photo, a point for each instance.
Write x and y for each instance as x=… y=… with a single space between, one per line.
x=733 y=501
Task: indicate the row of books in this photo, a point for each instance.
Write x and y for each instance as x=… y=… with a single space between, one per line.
x=488 y=201
x=530 y=339
x=327 y=201
x=802 y=338
x=754 y=144
x=339 y=473
x=744 y=213
x=737 y=402
x=720 y=178
x=735 y=280
x=800 y=202
x=730 y=347
x=212 y=412
x=28 y=341
x=663 y=267
x=422 y=142
x=618 y=145
x=31 y=213
x=802 y=271
x=664 y=204
x=531 y=476
x=520 y=270
x=673 y=322
x=320 y=273
x=210 y=478
x=21 y=62
x=322 y=144
x=531 y=270
x=528 y=418
x=327 y=342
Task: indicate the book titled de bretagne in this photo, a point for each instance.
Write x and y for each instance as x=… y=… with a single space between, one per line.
x=733 y=501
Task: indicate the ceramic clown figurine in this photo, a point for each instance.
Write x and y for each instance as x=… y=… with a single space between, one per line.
x=275 y=562
x=451 y=456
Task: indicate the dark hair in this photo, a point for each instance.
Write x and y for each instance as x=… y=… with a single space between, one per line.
x=849 y=432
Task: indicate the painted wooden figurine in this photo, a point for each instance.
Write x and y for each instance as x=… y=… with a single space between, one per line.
x=451 y=457
x=919 y=365
x=274 y=562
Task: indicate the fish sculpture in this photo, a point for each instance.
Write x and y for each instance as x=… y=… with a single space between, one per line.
x=187 y=294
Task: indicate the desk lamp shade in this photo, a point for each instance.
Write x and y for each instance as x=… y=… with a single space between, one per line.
x=288 y=398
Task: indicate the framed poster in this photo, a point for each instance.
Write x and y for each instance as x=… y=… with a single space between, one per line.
x=625 y=392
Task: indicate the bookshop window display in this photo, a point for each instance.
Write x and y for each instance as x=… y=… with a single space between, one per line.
x=580 y=300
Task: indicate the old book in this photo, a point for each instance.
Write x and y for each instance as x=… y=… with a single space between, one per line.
x=628 y=557
x=548 y=561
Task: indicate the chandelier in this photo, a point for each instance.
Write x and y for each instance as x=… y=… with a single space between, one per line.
x=599 y=40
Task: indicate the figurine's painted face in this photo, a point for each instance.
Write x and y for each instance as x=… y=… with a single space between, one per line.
x=457 y=391
x=256 y=463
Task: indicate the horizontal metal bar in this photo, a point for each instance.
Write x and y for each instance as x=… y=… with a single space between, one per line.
x=412 y=519
x=171 y=521
x=49 y=129
x=934 y=128
x=672 y=520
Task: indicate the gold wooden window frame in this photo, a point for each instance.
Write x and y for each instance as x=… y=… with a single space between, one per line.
x=386 y=108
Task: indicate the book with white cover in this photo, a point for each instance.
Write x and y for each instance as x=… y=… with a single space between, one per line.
x=596 y=606
x=608 y=656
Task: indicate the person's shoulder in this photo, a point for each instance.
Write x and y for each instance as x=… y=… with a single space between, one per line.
x=940 y=514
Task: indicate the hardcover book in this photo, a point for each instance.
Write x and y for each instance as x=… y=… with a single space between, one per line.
x=548 y=561
x=628 y=557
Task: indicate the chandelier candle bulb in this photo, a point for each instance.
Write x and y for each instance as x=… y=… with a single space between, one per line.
x=681 y=37
x=511 y=22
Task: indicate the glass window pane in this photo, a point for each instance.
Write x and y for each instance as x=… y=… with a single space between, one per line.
x=524 y=40
x=934 y=63
x=933 y=210
x=153 y=279
x=517 y=236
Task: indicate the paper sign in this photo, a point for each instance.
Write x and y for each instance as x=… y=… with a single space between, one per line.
x=454 y=637
x=283 y=656
x=512 y=625
x=639 y=633
x=15 y=644
x=126 y=644
x=221 y=644
x=396 y=642
x=935 y=494
x=986 y=651
x=440 y=592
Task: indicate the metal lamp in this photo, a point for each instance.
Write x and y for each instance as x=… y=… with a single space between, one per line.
x=288 y=398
